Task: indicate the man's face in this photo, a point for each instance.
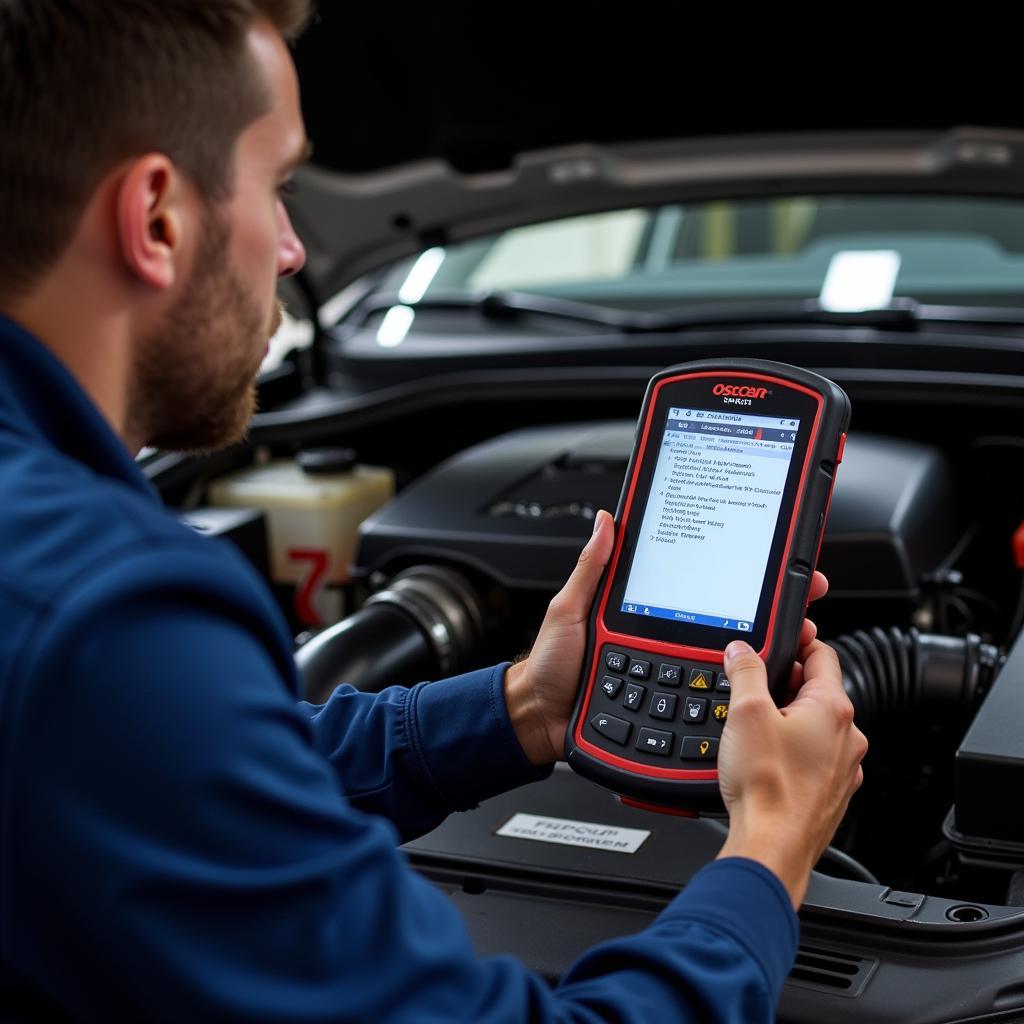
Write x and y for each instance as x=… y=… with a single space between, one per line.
x=195 y=373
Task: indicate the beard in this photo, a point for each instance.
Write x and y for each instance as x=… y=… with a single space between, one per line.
x=194 y=381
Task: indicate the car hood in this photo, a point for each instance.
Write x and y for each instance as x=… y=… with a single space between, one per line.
x=352 y=223
x=430 y=126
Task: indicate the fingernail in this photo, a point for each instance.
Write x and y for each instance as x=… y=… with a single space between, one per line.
x=597 y=520
x=736 y=648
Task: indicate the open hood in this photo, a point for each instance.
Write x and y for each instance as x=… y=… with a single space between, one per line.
x=430 y=126
x=353 y=223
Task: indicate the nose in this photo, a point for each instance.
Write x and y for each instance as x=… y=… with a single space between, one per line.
x=291 y=253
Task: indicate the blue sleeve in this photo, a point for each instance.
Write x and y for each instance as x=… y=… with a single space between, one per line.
x=173 y=848
x=403 y=753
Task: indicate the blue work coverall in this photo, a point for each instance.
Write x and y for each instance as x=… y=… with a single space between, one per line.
x=182 y=839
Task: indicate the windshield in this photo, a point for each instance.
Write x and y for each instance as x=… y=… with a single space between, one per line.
x=848 y=252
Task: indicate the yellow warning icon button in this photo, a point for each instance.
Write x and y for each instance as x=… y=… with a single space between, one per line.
x=700 y=679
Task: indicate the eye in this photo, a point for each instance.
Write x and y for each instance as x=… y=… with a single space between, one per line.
x=287 y=188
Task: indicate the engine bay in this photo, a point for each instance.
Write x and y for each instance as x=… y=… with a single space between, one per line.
x=509 y=516
x=473 y=549
x=496 y=486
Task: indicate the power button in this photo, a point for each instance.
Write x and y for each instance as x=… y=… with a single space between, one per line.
x=841 y=448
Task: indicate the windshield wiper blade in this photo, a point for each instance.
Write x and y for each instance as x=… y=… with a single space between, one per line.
x=901 y=314
x=1006 y=315
x=506 y=305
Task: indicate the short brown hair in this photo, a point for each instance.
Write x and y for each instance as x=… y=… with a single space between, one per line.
x=85 y=84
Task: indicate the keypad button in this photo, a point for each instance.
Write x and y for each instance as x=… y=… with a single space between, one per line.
x=616 y=661
x=669 y=675
x=722 y=685
x=695 y=710
x=639 y=669
x=663 y=705
x=615 y=729
x=654 y=741
x=719 y=710
x=699 y=748
x=611 y=686
x=701 y=679
x=634 y=696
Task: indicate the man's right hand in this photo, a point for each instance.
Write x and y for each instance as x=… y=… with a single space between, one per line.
x=787 y=774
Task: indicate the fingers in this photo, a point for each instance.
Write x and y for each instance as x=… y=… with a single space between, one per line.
x=808 y=631
x=572 y=602
x=748 y=677
x=823 y=687
x=796 y=680
x=860 y=747
x=821 y=665
x=819 y=587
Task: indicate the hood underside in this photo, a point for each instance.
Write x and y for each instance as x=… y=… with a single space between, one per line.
x=432 y=124
x=353 y=223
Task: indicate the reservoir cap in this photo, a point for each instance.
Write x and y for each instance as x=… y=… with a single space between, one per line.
x=326 y=460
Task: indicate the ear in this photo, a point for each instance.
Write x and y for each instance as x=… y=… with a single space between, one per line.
x=152 y=215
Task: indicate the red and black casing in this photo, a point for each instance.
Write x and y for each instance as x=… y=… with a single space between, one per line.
x=774 y=390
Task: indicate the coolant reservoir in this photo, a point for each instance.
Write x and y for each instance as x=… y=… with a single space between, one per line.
x=314 y=504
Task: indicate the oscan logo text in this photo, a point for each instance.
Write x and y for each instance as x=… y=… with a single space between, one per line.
x=739 y=391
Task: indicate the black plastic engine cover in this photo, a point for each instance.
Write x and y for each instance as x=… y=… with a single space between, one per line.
x=518 y=509
x=986 y=823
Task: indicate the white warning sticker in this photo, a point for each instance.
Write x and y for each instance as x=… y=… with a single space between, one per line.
x=574 y=833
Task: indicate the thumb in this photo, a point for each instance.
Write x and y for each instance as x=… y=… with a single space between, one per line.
x=574 y=599
x=747 y=675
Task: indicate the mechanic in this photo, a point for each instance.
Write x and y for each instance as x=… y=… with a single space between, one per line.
x=180 y=837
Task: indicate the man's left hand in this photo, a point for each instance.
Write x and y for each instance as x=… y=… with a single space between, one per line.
x=540 y=691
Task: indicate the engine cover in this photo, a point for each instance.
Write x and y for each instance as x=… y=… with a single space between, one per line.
x=519 y=507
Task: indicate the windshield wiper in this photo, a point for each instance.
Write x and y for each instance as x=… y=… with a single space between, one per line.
x=508 y=305
x=901 y=314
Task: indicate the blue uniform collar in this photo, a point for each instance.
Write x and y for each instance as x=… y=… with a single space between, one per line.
x=40 y=398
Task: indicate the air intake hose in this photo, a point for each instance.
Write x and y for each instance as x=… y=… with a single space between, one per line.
x=894 y=675
x=427 y=623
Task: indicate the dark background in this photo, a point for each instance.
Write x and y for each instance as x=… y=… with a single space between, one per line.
x=384 y=83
